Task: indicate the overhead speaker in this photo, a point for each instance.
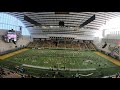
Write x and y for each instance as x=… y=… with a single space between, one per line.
x=104 y=45
x=61 y=23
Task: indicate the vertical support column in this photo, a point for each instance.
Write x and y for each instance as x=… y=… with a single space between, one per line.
x=65 y=42
x=103 y=33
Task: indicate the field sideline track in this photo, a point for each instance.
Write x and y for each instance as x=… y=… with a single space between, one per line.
x=115 y=61
x=12 y=54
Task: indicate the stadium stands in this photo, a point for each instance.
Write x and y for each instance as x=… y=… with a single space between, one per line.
x=62 y=44
x=76 y=49
x=6 y=73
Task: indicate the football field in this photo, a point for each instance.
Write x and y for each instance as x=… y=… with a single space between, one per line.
x=83 y=62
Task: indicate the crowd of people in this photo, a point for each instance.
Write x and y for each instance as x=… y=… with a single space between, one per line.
x=115 y=76
x=6 y=73
x=1 y=72
x=62 y=44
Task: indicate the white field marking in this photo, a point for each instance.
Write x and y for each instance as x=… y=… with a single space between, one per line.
x=72 y=63
x=86 y=75
x=58 y=63
x=84 y=63
x=88 y=61
x=34 y=61
x=89 y=69
x=45 y=62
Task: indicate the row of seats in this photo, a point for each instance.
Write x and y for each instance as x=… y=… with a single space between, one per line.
x=6 y=73
x=52 y=44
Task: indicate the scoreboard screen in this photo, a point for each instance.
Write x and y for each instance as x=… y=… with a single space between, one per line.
x=10 y=36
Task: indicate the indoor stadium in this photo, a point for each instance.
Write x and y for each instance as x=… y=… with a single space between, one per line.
x=59 y=44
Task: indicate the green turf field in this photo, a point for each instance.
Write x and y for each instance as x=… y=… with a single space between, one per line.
x=83 y=62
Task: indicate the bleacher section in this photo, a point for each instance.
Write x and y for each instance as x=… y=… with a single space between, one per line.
x=90 y=46
x=61 y=44
x=111 y=50
x=23 y=41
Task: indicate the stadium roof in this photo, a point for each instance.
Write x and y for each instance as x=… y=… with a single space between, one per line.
x=48 y=22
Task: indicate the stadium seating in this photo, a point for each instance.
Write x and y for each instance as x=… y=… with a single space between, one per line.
x=62 y=44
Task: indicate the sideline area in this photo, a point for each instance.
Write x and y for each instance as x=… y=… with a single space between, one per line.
x=32 y=66
x=115 y=61
x=12 y=54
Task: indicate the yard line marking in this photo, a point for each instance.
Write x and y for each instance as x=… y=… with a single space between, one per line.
x=86 y=75
x=59 y=68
